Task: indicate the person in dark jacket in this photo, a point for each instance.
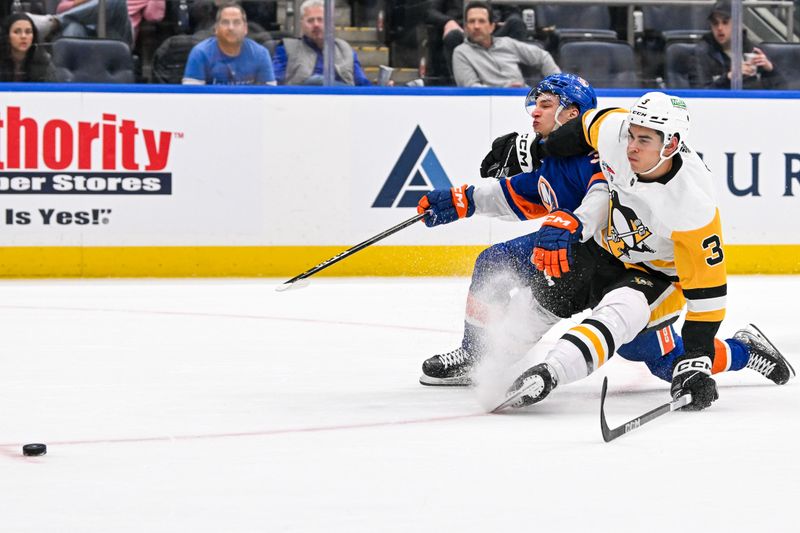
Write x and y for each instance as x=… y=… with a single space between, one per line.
x=711 y=64
x=21 y=58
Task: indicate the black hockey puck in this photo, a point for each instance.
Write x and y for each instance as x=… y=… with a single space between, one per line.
x=34 y=449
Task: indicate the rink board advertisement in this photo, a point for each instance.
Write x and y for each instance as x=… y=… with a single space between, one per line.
x=210 y=184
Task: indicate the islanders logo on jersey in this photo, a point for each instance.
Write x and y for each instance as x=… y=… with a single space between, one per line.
x=625 y=232
x=547 y=195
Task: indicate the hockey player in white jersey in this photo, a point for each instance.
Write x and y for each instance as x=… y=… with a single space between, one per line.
x=660 y=247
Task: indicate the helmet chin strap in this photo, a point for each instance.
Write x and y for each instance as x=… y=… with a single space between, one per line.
x=661 y=158
x=561 y=107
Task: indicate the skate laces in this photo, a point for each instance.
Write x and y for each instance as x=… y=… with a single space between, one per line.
x=763 y=358
x=456 y=357
x=761 y=364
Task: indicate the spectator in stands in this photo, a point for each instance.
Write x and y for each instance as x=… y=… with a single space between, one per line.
x=299 y=61
x=78 y=18
x=21 y=58
x=203 y=13
x=486 y=61
x=149 y=10
x=711 y=63
x=446 y=15
x=229 y=58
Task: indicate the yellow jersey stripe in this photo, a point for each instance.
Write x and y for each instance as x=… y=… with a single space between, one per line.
x=595 y=340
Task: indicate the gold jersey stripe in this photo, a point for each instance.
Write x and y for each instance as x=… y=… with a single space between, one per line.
x=706 y=316
x=595 y=340
x=668 y=306
x=591 y=132
x=658 y=263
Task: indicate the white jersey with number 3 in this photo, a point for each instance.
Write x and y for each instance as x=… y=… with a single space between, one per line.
x=670 y=225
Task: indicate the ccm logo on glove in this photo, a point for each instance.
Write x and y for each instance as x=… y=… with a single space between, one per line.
x=554 y=242
x=703 y=364
x=522 y=150
x=443 y=206
x=567 y=223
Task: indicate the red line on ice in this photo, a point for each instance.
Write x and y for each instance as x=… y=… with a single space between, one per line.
x=262 y=433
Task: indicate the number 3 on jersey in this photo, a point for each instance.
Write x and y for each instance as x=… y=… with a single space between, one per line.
x=714 y=244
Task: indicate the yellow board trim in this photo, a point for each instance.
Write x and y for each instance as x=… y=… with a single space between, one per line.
x=288 y=261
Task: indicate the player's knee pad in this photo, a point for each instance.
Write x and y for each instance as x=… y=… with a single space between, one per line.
x=624 y=312
x=617 y=319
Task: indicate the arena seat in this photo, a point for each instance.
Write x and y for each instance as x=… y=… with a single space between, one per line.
x=602 y=63
x=568 y=23
x=786 y=58
x=169 y=60
x=683 y=23
x=92 y=61
x=677 y=65
x=564 y=16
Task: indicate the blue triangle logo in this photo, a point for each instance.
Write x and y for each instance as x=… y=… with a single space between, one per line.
x=415 y=173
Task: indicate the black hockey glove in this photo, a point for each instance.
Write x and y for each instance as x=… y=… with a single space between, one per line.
x=510 y=155
x=692 y=375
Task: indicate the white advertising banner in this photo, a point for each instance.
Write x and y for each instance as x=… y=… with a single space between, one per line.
x=149 y=169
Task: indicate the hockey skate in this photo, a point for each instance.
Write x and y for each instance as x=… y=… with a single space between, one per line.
x=452 y=368
x=764 y=356
x=531 y=387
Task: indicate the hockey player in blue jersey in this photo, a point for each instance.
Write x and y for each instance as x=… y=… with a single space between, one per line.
x=573 y=184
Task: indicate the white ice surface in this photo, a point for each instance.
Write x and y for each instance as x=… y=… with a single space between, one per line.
x=226 y=406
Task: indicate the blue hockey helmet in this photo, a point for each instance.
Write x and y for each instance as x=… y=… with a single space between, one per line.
x=570 y=90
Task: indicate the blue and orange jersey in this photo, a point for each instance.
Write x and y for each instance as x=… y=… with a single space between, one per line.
x=560 y=183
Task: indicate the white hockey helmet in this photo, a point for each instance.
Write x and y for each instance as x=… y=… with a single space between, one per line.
x=662 y=112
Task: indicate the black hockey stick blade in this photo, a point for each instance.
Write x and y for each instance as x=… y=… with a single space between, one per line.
x=300 y=281
x=610 y=434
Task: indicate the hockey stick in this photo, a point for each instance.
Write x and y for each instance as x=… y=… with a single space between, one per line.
x=611 y=434
x=299 y=281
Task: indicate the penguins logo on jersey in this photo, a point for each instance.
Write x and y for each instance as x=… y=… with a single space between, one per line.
x=547 y=194
x=625 y=231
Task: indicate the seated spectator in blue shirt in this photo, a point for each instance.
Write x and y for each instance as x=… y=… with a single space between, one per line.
x=299 y=61
x=229 y=58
